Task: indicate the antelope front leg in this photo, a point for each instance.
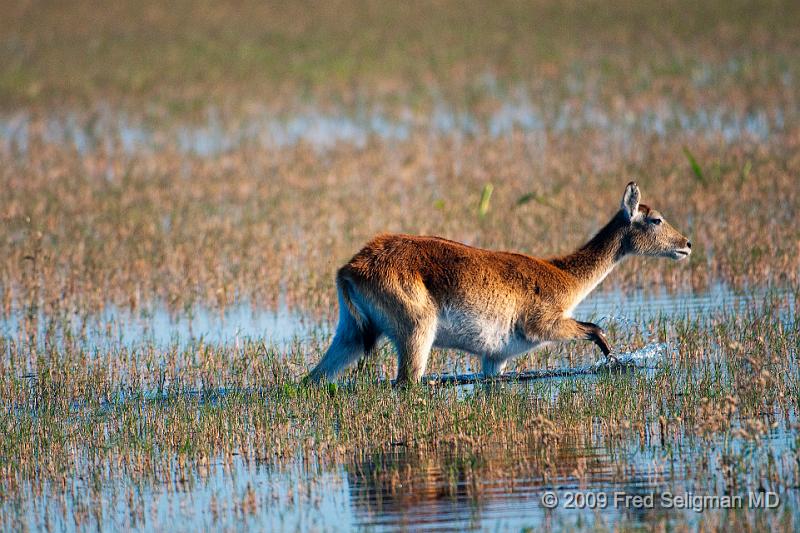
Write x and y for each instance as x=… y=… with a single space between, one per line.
x=567 y=329
x=596 y=334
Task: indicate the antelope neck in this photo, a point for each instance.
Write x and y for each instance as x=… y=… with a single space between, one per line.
x=593 y=261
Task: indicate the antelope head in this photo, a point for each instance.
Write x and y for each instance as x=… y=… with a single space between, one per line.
x=647 y=232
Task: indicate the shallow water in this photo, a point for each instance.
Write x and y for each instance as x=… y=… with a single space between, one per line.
x=108 y=131
x=650 y=305
x=160 y=327
x=497 y=500
x=494 y=487
x=491 y=489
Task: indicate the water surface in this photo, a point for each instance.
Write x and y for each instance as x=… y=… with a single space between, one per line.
x=494 y=487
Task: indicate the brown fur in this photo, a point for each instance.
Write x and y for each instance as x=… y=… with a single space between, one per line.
x=409 y=288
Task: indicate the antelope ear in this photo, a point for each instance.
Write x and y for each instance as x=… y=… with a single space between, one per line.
x=630 y=200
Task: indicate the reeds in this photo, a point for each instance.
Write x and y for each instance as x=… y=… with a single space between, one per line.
x=727 y=393
x=198 y=156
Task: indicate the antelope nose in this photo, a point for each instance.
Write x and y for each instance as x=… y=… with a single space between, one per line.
x=688 y=244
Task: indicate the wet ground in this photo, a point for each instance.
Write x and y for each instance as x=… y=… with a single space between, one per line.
x=161 y=327
x=107 y=131
x=178 y=185
x=447 y=489
x=438 y=496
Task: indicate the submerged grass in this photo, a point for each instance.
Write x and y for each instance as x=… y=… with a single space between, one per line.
x=210 y=154
x=730 y=387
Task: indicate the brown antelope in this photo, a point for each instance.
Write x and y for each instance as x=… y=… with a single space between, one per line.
x=422 y=292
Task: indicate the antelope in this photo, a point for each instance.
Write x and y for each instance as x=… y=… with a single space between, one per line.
x=425 y=292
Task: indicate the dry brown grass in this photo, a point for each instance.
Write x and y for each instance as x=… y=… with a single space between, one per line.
x=618 y=92
x=256 y=224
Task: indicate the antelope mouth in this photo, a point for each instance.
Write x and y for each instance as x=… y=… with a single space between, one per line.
x=681 y=253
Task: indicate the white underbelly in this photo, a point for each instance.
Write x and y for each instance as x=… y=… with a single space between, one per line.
x=496 y=337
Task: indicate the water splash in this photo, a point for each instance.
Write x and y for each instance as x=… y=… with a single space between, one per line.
x=648 y=356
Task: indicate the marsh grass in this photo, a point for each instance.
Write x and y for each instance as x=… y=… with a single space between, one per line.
x=715 y=405
x=189 y=230
x=206 y=156
x=263 y=190
x=186 y=55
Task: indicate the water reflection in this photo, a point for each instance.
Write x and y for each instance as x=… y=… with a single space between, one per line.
x=453 y=483
x=501 y=487
x=493 y=487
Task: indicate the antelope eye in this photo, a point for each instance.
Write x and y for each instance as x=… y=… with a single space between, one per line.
x=655 y=221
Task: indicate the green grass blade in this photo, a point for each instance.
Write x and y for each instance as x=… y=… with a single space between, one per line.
x=486 y=195
x=696 y=168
